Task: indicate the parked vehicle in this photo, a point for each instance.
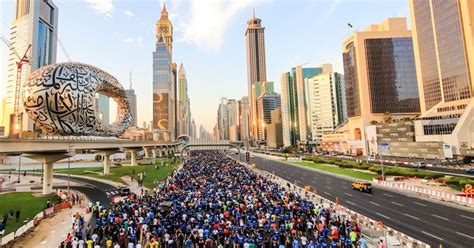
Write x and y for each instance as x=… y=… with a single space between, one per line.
x=470 y=170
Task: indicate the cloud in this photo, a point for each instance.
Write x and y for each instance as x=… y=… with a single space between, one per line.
x=103 y=7
x=133 y=40
x=209 y=20
x=129 y=13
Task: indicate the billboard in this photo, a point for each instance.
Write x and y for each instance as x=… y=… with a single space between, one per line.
x=160 y=111
x=448 y=151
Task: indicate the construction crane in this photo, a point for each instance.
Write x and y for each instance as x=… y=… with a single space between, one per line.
x=16 y=117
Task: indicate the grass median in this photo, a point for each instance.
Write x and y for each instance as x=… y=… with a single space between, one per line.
x=337 y=170
x=152 y=172
x=28 y=204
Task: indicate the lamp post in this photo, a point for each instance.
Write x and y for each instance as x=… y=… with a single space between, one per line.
x=70 y=153
x=19 y=168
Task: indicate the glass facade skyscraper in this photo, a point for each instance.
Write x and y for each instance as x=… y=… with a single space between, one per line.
x=392 y=75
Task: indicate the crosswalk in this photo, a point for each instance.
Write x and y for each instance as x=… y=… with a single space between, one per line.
x=111 y=193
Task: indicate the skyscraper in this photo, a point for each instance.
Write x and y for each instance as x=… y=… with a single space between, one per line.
x=35 y=24
x=183 y=102
x=164 y=108
x=444 y=55
x=295 y=102
x=256 y=66
x=327 y=95
x=132 y=100
x=380 y=77
x=244 y=118
x=103 y=108
x=265 y=104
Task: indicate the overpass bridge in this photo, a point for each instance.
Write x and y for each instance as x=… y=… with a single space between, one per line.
x=50 y=149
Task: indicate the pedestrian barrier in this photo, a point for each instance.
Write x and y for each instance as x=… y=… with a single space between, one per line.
x=440 y=195
x=373 y=228
x=35 y=221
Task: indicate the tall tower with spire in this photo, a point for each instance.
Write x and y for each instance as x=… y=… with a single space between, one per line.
x=183 y=102
x=256 y=67
x=132 y=100
x=164 y=83
x=164 y=26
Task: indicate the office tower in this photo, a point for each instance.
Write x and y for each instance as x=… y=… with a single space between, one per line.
x=327 y=95
x=265 y=104
x=380 y=78
x=256 y=66
x=444 y=56
x=34 y=32
x=193 y=131
x=274 y=130
x=183 y=102
x=132 y=100
x=223 y=120
x=233 y=115
x=244 y=118
x=295 y=102
x=164 y=108
x=103 y=108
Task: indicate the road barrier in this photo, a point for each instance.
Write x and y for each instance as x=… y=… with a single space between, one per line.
x=371 y=228
x=440 y=195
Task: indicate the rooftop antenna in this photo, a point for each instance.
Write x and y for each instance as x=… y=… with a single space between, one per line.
x=253 y=13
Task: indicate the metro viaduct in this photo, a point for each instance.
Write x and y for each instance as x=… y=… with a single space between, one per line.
x=48 y=151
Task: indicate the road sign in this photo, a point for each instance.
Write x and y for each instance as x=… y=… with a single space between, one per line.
x=247 y=157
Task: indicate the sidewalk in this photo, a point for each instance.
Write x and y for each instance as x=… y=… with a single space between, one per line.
x=51 y=231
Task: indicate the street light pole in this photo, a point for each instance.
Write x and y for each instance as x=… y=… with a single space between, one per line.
x=69 y=168
x=381 y=163
x=19 y=168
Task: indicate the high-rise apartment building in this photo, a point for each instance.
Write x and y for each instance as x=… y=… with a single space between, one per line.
x=233 y=115
x=443 y=40
x=256 y=66
x=295 y=104
x=327 y=95
x=132 y=100
x=35 y=25
x=380 y=78
x=164 y=88
x=223 y=120
x=265 y=104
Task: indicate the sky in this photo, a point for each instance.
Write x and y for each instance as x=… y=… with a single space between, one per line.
x=209 y=39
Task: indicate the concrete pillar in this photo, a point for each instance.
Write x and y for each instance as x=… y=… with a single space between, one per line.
x=47 y=159
x=133 y=157
x=147 y=152
x=160 y=152
x=106 y=163
x=47 y=178
x=153 y=152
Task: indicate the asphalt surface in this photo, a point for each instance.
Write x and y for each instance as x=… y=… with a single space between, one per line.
x=427 y=221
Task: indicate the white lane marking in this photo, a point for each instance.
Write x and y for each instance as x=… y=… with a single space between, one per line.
x=351 y=203
x=441 y=217
x=411 y=216
x=388 y=195
x=344 y=187
x=347 y=194
x=467 y=217
x=398 y=204
x=386 y=217
x=376 y=204
x=429 y=234
x=465 y=235
x=417 y=203
x=328 y=187
x=108 y=193
x=326 y=193
x=368 y=195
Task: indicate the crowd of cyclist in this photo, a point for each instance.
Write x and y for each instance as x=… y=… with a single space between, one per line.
x=213 y=201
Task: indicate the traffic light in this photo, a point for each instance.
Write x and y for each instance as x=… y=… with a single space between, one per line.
x=247 y=156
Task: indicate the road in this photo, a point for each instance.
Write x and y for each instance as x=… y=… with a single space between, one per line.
x=424 y=220
x=93 y=190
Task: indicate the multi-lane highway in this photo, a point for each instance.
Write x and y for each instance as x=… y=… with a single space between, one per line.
x=424 y=220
